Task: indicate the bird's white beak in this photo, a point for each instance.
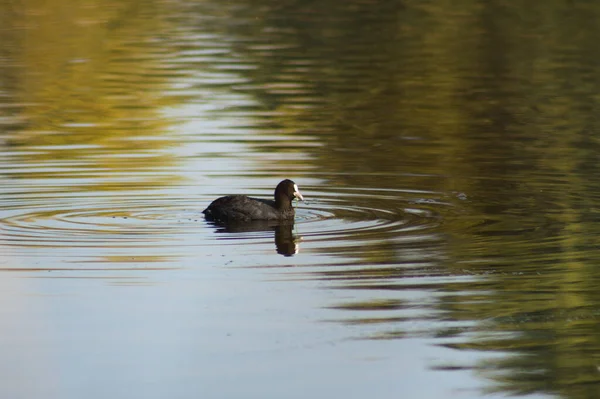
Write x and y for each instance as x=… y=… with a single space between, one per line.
x=297 y=193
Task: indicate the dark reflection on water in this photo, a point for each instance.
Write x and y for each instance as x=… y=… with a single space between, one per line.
x=449 y=158
x=287 y=243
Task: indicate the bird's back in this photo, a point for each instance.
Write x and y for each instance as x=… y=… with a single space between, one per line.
x=243 y=208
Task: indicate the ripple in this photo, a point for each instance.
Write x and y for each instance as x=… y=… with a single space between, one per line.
x=353 y=213
x=328 y=220
x=361 y=218
x=94 y=224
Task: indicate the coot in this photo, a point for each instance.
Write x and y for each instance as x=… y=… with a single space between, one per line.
x=240 y=208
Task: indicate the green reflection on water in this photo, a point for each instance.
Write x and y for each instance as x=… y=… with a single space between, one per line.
x=497 y=100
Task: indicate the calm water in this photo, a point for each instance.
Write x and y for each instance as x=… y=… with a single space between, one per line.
x=449 y=156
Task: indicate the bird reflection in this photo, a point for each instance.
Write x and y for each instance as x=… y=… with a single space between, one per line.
x=286 y=242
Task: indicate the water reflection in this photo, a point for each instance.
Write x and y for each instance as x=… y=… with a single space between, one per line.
x=451 y=154
x=287 y=243
x=90 y=91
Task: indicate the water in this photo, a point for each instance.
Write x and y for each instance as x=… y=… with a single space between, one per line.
x=447 y=247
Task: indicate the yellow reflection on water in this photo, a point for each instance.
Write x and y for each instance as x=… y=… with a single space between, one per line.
x=86 y=81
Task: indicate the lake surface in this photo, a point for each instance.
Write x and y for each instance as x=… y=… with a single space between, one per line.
x=449 y=158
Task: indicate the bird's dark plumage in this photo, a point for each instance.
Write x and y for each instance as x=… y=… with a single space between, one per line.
x=240 y=208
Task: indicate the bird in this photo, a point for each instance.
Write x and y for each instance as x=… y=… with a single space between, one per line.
x=241 y=208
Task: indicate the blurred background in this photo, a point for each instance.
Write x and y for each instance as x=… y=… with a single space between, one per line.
x=448 y=154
